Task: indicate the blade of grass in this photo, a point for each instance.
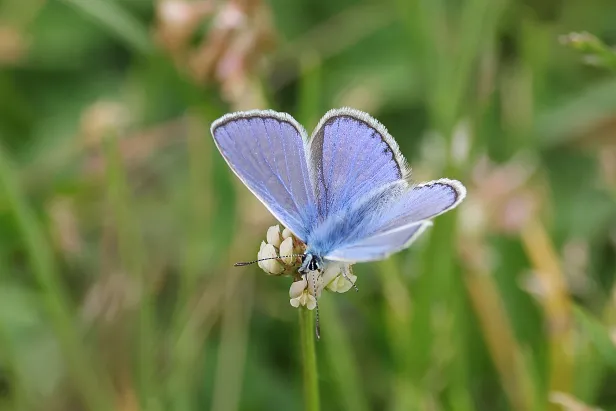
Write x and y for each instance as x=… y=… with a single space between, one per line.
x=595 y=354
x=131 y=248
x=598 y=334
x=334 y=36
x=477 y=24
x=502 y=344
x=192 y=324
x=8 y=357
x=187 y=348
x=309 y=105
x=440 y=288
x=595 y=51
x=398 y=313
x=556 y=305
x=186 y=340
x=198 y=224
x=341 y=359
x=233 y=343
x=91 y=383
x=111 y=16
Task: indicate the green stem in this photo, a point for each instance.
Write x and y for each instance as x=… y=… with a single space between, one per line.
x=309 y=356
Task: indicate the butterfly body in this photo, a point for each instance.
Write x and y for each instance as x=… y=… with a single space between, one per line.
x=311 y=262
x=344 y=191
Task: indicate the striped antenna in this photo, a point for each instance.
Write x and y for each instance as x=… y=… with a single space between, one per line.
x=269 y=258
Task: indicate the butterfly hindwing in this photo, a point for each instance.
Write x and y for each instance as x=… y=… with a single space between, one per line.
x=266 y=151
x=379 y=246
x=422 y=202
x=400 y=221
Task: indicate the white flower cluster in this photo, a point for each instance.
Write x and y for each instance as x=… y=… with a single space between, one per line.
x=280 y=244
x=305 y=290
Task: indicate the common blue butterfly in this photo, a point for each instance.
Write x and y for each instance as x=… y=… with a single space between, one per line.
x=345 y=191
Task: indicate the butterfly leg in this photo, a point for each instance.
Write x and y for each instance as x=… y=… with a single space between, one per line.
x=346 y=270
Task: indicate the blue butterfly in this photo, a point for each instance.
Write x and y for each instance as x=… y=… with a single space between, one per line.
x=344 y=191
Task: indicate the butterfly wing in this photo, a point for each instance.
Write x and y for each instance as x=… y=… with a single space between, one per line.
x=350 y=155
x=381 y=245
x=265 y=149
x=423 y=202
x=401 y=221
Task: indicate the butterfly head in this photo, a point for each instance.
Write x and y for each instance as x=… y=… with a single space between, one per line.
x=310 y=262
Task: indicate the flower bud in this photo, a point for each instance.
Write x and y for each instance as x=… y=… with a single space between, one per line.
x=273 y=235
x=260 y=255
x=334 y=284
x=286 y=250
x=270 y=266
x=286 y=233
x=341 y=284
x=332 y=270
x=297 y=288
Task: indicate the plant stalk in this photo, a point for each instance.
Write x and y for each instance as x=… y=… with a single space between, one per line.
x=309 y=359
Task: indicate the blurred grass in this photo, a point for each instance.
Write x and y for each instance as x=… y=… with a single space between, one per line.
x=119 y=221
x=114 y=18
x=52 y=292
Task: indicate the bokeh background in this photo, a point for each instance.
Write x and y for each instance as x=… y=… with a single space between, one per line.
x=119 y=220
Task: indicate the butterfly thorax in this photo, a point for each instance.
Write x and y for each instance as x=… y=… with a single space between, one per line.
x=311 y=262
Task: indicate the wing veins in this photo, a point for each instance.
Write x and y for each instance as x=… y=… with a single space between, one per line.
x=275 y=173
x=261 y=185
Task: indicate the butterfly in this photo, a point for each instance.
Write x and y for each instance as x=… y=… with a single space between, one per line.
x=345 y=191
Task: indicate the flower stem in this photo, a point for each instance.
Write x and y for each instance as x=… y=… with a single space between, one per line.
x=311 y=384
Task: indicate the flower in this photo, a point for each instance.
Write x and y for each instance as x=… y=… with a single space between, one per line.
x=286 y=233
x=336 y=277
x=282 y=250
x=300 y=296
x=273 y=235
x=286 y=251
x=268 y=254
x=297 y=288
x=279 y=256
x=340 y=284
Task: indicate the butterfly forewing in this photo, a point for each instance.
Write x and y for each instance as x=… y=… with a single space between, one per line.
x=265 y=149
x=351 y=155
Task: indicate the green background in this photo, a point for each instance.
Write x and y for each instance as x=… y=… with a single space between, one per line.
x=119 y=220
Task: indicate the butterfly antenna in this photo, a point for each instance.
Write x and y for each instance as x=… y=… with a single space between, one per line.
x=242 y=264
x=317 y=326
x=346 y=276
